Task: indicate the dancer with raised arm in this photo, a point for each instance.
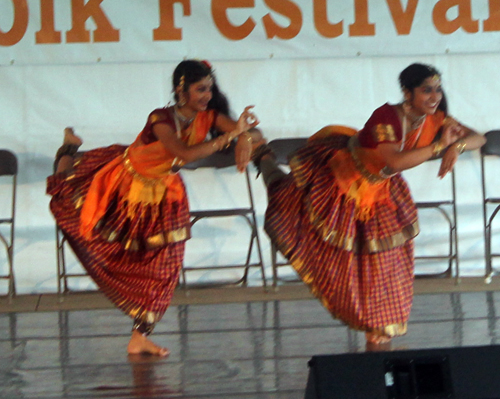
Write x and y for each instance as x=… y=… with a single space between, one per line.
x=344 y=216
x=124 y=210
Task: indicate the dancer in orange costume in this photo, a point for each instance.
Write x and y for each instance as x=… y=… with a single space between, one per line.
x=344 y=216
x=124 y=210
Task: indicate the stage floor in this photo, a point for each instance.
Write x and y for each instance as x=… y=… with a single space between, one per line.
x=255 y=349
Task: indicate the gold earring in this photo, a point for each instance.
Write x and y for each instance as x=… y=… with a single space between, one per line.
x=181 y=95
x=182 y=100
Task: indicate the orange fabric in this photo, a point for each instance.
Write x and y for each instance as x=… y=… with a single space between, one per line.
x=430 y=127
x=142 y=176
x=356 y=187
x=351 y=181
x=332 y=129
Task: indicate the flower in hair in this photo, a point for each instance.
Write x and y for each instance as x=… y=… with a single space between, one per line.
x=206 y=63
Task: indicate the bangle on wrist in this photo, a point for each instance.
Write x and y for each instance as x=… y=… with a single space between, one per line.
x=437 y=148
x=460 y=146
x=247 y=137
x=217 y=145
x=228 y=139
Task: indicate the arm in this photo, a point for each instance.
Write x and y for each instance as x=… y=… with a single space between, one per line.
x=168 y=137
x=398 y=161
x=471 y=140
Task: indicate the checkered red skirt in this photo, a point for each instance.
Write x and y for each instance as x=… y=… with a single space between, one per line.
x=361 y=270
x=140 y=282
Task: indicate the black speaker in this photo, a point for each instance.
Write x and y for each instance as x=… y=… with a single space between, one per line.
x=466 y=372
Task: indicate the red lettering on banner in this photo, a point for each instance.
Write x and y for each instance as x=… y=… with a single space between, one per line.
x=361 y=26
x=492 y=24
x=288 y=9
x=80 y=13
x=47 y=33
x=403 y=19
x=321 y=23
x=19 y=26
x=463 y=20
x=167 y=29
x=230 y=31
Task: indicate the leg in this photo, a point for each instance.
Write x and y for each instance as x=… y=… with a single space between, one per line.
x=264 y=160
x=271 y=172
x=64 y=156
x=140 y=343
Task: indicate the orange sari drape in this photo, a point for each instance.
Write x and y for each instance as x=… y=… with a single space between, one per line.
x=142 y=177
x=358 y=170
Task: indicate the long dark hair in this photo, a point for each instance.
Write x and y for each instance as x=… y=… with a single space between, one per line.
x=415 y=74
x=192 y=71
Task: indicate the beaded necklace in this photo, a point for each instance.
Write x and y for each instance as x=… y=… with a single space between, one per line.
x=182 y=118
x=414 y=126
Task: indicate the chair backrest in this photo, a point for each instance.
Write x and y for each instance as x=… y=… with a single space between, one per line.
x=492 y=146
x=283 y=148
x=218 y=160
x=8 y=163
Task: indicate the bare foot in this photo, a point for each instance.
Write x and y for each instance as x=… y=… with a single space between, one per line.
x=375 y=342
x=140 y=344
x=374 y=347
x=71 y=138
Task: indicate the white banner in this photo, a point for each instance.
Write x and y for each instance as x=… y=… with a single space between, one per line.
x=37 y=32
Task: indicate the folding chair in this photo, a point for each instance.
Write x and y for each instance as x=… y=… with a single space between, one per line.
x=491 y=205
x=62 y=271
x=283 y=148
x=447 y=209
x=63 y=275
x=217 y=161
x=8 y=167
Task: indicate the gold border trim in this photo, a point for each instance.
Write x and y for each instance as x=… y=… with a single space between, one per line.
x=127 y=165
x=383 y=132
x=341 y=240
x=372 y=178
x=391 y=330
x=152 y=242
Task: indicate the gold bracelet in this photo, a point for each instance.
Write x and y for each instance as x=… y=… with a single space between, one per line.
x=460 y=146
x=248 y=137
x=217 y=143
x=228 y=139
x=437 y=148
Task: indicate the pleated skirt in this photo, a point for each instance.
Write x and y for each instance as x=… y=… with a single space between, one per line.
x=361 y=270
x=140 y=282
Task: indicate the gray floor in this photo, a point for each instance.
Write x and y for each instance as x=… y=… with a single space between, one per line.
x=257 y=349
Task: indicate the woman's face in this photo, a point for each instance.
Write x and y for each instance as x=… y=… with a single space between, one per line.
x=425 y=98
x=199 y=94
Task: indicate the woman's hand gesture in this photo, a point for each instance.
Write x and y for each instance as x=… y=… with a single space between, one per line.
x=452 y=131
x=247 y=120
